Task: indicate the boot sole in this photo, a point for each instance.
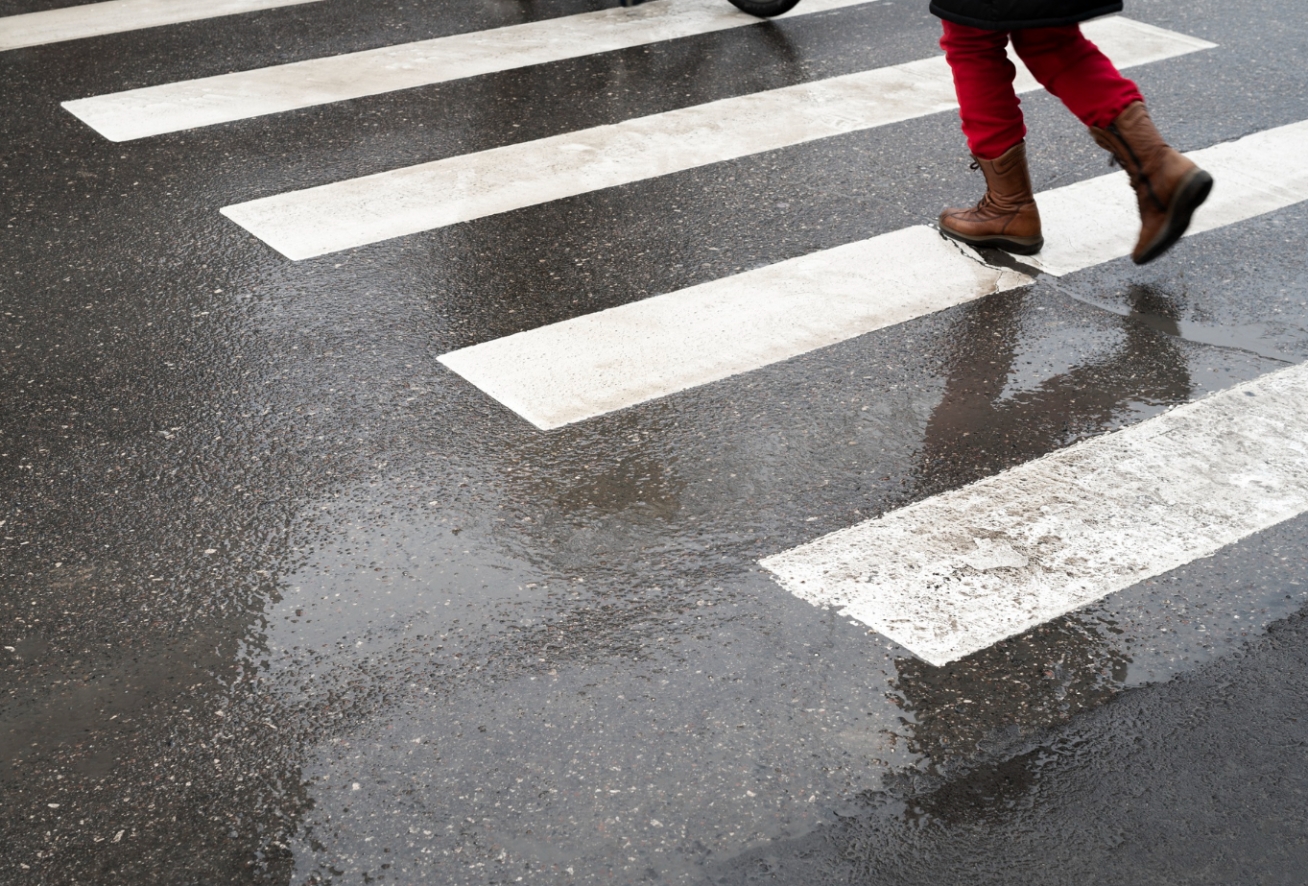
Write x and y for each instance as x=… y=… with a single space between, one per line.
x=1015 y=245
x=1189 y=196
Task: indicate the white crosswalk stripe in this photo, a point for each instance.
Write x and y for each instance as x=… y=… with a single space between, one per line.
x=953 y=574
x=581 y=368
x=577 y=369
x=172 y=107
x=356 y=212
x=118 y=16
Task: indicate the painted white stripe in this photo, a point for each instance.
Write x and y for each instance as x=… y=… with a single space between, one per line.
x=117 y=16
x=953 y=574
x=607 y=360
x=356 y=212
x=581 y=368
x=171 y=107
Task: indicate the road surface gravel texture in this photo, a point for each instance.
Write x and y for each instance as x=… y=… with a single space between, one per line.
x=288 y=597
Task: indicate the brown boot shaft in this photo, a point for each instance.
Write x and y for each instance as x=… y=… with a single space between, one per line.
x=1006 y=217
x=1168 y=186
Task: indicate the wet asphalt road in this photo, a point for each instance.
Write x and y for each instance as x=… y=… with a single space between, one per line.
x=285 y=601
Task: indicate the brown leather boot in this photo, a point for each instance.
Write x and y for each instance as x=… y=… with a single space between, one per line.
x=1168 y=187
x=1006 y=218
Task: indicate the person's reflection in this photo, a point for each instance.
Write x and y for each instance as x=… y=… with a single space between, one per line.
x=1047 y=674
x=973 y=433
x=1018 y=686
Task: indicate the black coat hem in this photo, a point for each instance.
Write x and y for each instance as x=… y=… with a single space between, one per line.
x=1017 y=25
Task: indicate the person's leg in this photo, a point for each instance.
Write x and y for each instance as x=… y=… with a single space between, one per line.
x=1006 y=217
x=1073 y=69
x=983 y=81
x=1168 y=186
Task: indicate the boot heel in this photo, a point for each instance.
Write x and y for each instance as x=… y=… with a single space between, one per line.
x=1190 y=195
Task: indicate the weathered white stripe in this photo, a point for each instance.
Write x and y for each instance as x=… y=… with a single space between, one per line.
x=356 y=212
x=172 y=107
x=577 y=369
x=116 y=16
x=604 y=361
x=953 y=574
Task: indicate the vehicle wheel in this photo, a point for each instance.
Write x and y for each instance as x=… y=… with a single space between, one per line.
x=764 y=8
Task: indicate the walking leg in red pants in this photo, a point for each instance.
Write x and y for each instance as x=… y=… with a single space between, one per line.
x=1168 y=186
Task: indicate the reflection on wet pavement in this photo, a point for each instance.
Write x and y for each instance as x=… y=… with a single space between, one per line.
x=1009 y=691
x=996 y=412
x=1154 y=308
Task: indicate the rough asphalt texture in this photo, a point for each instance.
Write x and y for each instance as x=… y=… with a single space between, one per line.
x=286 y=602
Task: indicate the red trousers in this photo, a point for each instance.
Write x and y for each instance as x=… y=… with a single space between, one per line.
x=1062 y=59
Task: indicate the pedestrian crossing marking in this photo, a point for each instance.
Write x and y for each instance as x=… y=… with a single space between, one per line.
x=605 y=361
x=357 y=212
x=956 y=573
x=581 y=368
x=172 y=107
x=118 y=16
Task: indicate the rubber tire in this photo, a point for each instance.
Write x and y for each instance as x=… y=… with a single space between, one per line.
x=764 y=8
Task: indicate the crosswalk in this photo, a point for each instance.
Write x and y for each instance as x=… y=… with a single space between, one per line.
x=944 y=577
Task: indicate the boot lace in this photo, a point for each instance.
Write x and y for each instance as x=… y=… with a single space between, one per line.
x=986 y=200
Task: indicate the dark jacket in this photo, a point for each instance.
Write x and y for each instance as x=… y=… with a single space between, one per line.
x=1010 y=15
